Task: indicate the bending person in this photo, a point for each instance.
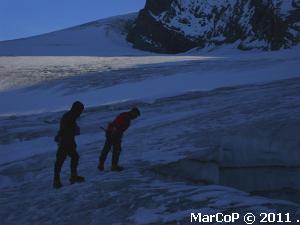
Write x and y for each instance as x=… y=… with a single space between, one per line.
x=114 y=133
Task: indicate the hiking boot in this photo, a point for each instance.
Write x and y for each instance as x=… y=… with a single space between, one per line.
x=57 y=184
x=116 y=168
x=76 y=179
x=101 y=167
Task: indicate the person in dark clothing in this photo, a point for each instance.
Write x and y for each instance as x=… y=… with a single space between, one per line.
x=114 y=133
x=67 y=145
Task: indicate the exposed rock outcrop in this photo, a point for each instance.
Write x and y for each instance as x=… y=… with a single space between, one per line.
x=173 y=26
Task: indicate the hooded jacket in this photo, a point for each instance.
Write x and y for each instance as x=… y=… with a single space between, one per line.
x=68 y=130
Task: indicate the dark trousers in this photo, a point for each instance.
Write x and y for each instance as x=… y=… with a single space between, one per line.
x=61 y=155
x=116 y=144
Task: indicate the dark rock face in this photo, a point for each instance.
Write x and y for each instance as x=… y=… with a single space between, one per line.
x=158 y=7
x=151 y=35
x=173 y=26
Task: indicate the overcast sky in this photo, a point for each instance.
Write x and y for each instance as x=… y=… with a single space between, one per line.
x=23 y=18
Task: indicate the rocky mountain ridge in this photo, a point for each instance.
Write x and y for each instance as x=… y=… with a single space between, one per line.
x=173 y=26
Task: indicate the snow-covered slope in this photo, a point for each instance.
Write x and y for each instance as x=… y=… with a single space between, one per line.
x=218 y=133
x=179 y=25
x=172 y=168
x=106 y=37
x=47 y=84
